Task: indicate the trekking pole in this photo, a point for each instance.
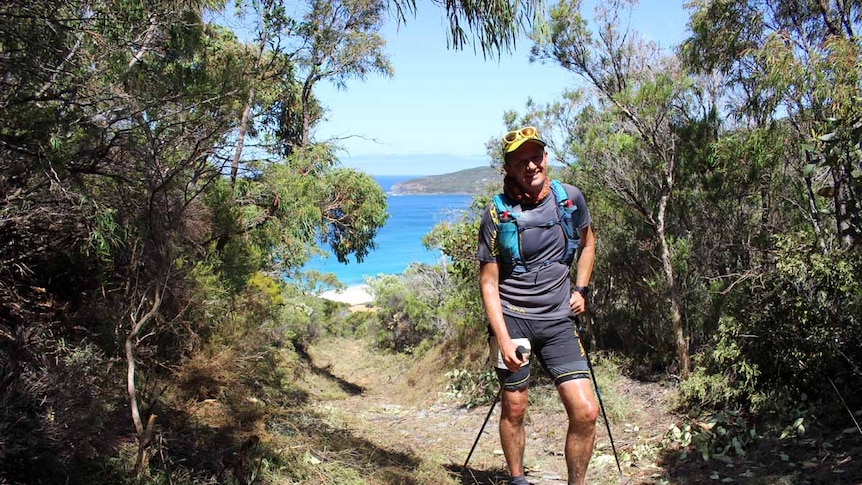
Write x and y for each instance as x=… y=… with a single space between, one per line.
x=493 y=403
x=599 y=395
x=519 y=352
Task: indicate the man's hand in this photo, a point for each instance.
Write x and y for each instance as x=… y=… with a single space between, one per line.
x=577 y=303
x=511 y=356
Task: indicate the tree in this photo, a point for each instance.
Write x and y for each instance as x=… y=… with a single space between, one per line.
x=798 y=62
x=630 y=138
x=115 y=124
x=291 y=194
x=789 y=149
x=494 y=25
x=340 y=41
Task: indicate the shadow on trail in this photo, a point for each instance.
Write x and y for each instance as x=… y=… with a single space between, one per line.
x=346 y=386
x=827 y=459
x=470 y=476
x=340 y=446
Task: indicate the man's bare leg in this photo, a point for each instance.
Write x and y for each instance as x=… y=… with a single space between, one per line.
x=580 y=403
x=512 y=435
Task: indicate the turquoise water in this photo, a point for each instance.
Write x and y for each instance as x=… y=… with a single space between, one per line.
x=399 y=242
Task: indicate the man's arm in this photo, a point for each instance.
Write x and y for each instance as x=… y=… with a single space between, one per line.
x=489 y=274
x=586 y=258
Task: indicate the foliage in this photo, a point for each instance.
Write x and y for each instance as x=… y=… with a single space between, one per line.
x=798 y=62
x=360 y=324
x=720 y=436
x=472 y=388
x=727 y=378
x=137 y=235
x=495 y=26
x=340 y=41
x=794 y=332
x=122 y=237
x=630 y=138
x=354 y=208
x=694 y=165
x=457 y=240
x=409 y=307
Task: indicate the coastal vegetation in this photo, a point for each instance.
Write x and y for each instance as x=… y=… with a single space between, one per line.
x=162 y=188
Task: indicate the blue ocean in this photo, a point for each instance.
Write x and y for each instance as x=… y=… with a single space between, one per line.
x=399 y=242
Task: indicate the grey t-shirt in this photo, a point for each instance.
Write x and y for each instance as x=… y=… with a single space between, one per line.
x=542 y=293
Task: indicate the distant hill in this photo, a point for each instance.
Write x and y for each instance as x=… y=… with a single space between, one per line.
x=470 y=181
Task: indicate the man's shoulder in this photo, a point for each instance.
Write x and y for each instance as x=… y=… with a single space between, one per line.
x=571 y=190
x=489 y=214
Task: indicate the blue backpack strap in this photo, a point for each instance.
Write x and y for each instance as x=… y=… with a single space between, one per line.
x=508 y=236
x=566 y=209
x=500 y=206
x=559 y=192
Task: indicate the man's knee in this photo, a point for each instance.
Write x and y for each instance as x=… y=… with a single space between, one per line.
x=585 y=413
x=514 y=405
x=581 y=406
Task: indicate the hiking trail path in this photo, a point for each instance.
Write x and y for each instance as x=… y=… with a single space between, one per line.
x=384 y=400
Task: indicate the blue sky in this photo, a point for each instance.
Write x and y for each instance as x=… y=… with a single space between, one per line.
x=435 y=115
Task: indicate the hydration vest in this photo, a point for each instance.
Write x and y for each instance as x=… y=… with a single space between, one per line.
x=509 y=234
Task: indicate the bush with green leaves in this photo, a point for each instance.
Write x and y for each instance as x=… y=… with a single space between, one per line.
x=472 y=388
x=409 y=306
x=457 y=240
x=794 y=331
x=359 y=324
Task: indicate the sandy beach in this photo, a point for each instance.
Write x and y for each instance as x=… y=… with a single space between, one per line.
x=354 y=295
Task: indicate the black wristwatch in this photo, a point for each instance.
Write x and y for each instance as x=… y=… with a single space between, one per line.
x=583 y=290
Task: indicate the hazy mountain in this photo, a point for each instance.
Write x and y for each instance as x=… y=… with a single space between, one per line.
x=470 y=181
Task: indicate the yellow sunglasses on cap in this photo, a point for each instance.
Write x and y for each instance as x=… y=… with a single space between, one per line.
x=527 y=132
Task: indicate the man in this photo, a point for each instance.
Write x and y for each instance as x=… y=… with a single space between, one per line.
x=527 y=296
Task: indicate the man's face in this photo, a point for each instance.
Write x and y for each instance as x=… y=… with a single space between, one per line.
x=528 y=166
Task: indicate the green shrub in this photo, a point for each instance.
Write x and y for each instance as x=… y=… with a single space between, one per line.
x=472 y=388
x=722 y=376
x=786 y=333
x=462 y=303
x=409 y=307
x=360 y=324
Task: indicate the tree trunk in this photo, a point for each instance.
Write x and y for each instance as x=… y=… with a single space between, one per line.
x=144 y=446
x=305 y=99
x=672 y=292
x=145 y=42
x=845 y=209
x=143 y=433
x=246 y=111
x=814 y=214
x=240 y=141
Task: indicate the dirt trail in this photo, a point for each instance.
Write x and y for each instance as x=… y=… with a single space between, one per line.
x=404 y=429
x=379 y=399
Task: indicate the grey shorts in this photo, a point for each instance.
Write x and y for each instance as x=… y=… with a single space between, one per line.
x=555 y=344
